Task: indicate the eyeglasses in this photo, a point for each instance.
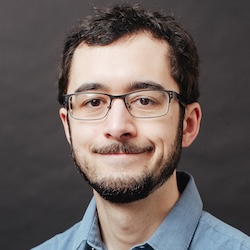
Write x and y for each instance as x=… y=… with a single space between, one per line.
x=89 y=106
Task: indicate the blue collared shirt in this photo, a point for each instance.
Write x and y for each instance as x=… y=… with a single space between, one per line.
x=186 y=226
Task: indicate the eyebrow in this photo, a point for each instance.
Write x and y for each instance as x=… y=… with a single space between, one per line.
x=150 y=85
x=91 y=86
x=145 y=85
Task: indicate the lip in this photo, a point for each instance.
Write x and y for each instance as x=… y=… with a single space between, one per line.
x=120 y=153
x=124 y=155
x=121 y=156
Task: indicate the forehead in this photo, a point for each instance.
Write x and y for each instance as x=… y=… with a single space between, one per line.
x=138 y=58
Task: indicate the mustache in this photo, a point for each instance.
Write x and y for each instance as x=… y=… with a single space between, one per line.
x=128 y=148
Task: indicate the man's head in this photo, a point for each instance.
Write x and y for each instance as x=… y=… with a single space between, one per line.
x=111 y=24
x=130 y=150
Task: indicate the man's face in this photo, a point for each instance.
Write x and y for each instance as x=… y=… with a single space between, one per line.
x=124 y=158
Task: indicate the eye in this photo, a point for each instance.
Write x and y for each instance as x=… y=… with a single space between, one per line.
x=94 y=102
x=90 y=101
x=144 y=101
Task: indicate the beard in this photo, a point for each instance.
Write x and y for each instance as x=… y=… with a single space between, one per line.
x=121 y=190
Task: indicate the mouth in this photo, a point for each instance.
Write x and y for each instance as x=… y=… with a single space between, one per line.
x=122 y=149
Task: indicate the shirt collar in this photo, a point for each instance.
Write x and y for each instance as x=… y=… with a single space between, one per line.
x=89 y=232
x=176 y=230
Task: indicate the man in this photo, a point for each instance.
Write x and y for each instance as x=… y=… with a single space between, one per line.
x=129 y=90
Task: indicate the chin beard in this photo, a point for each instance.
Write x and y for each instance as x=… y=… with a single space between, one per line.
x=129 y=190
x=122 y=191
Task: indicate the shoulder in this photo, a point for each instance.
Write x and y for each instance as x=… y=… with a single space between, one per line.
x=75 y=236
x=212 y=233
x=61 y=241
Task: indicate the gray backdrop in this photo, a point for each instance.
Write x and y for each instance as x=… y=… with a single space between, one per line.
x=41 y=192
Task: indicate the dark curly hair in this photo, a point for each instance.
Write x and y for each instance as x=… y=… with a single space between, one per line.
x=113 y=23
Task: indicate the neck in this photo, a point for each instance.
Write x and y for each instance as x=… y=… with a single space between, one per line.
x=125 y=225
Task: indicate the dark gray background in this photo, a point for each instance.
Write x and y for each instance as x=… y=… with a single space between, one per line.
x=41 y=193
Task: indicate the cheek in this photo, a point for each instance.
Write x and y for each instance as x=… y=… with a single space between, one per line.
x=163 y=134
x=82 y=134
x=162 y=128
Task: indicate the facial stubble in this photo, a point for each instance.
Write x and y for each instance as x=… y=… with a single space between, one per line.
x=129 y=189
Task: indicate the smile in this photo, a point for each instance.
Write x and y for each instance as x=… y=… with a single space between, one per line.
x=122 y=149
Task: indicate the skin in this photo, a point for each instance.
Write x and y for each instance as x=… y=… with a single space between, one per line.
x=116 y=68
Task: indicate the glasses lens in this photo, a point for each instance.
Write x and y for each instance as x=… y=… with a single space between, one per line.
x=146 y=104
x=88 y=106
x=140 y=104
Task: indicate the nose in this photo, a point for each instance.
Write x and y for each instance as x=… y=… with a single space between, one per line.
x=119 y=124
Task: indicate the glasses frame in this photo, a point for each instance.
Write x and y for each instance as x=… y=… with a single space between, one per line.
x=172 y=95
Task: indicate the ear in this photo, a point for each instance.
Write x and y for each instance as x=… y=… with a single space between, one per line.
x=63 y=115
x=191 y=123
